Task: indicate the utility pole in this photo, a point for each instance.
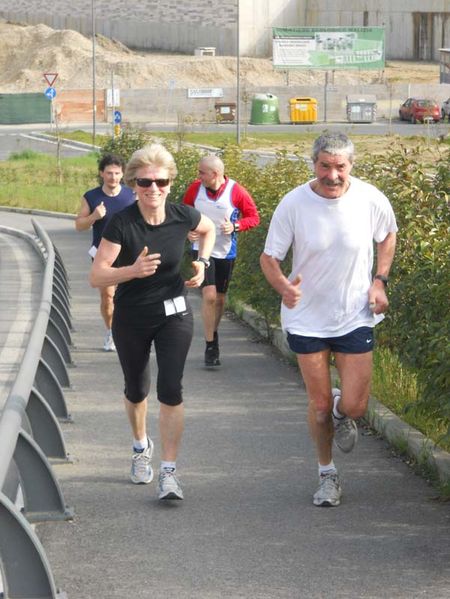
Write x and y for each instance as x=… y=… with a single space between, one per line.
x=94 y=104
x=238 y=82
x=113 y=103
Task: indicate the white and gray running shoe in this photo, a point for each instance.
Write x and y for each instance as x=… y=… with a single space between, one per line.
x=109 y=344
x=329 y=492
x=345 y=429
x=169 y=485
x=141 y=468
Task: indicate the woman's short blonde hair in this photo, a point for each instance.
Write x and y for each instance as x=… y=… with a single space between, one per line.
x=150 y=155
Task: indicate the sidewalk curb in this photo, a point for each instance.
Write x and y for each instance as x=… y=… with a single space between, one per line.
x=37 y=212
x=65 y=141
x=379 y=417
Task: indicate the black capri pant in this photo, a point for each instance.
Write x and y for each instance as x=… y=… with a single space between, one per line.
x=134 y=330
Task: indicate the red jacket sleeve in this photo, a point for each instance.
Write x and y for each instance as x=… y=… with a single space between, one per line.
x=191 y=193
x=244 y=202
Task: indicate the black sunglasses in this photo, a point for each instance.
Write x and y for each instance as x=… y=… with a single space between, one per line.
x=148 y=182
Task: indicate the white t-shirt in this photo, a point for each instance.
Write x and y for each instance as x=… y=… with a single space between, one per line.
x=332 y=245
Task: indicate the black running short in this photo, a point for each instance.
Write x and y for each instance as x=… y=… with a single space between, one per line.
x=219 y=273
x=134 y=331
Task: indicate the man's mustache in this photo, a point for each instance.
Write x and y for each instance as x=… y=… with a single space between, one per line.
x=332 y=181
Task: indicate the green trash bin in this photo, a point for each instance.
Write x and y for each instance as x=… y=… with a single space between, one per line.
x=265 y=110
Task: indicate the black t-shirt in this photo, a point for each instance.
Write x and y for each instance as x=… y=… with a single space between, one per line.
x=129 y=229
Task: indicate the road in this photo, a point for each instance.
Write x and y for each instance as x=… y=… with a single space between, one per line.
x=16 y=140
x=247 y=527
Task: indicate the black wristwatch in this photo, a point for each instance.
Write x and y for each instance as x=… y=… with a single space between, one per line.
x=204 y=260
x=382 y=278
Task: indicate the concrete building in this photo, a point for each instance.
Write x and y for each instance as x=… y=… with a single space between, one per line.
x=415 y=30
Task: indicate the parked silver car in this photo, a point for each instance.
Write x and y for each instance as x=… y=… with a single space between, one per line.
x=445 y=109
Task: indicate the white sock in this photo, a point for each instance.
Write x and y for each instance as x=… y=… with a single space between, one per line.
x=327 y=469
x=140 y=444
x=336 y=412
x=169 y=465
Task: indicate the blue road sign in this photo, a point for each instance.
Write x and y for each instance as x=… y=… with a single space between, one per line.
x=50 y=92
x=117 y=117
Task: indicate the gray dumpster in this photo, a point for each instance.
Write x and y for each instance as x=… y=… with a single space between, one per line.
x=361 y=109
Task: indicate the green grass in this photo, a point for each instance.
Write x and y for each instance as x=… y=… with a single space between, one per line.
x=208 y=138
x=299 y=140
x=396 y=387
x=31 y=180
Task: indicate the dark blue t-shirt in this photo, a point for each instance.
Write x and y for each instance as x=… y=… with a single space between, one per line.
x=129 y=230
x=95 y=197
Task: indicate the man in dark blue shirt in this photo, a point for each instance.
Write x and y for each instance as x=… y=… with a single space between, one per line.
x=97 y=207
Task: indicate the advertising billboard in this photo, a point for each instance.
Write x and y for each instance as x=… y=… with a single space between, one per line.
x=328 y=47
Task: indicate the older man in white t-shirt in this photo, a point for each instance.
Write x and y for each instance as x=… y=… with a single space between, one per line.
x=333 y=298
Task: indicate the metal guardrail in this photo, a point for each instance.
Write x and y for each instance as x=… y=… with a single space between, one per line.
x=30 y=435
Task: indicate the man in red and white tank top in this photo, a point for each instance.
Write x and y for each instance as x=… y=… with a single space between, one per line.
x=232 y=209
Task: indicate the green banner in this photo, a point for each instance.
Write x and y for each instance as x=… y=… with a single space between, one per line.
x=328 y=47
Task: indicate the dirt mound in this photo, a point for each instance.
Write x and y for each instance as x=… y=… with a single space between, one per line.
x=26 y=52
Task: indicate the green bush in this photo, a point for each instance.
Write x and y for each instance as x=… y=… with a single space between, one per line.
x=126 y=143
x=418 y=323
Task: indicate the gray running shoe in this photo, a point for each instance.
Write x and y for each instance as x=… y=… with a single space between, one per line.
x=141 y=468
x=345 y=429
x=169 y=485
x=108 y=344
x=329 y=492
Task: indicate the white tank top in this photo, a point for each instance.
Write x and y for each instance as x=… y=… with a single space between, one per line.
x=217 y=210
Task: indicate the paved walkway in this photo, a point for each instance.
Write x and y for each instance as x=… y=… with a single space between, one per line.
x=247 y=527
x=20 y=269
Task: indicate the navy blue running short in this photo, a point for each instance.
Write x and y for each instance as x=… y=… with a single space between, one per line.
x=359 y=341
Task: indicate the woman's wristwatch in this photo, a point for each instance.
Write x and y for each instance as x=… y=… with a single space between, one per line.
x=204 y=260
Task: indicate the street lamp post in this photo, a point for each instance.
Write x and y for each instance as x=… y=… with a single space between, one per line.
x=238 y=81
x=94 y=104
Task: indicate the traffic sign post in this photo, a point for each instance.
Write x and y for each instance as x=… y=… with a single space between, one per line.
x=50 y=78
x=50 y=92
x=117 y=118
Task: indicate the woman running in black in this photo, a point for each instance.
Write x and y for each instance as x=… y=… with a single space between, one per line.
x=145 y=243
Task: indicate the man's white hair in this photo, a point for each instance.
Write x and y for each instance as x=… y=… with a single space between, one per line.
x=333 y=143
x=214 y=163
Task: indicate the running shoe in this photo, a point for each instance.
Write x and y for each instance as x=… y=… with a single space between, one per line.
x=141 y=468
x=329 y=492
x=109 y=345
x=345 y=429
x=169 y=486
x=212 y=356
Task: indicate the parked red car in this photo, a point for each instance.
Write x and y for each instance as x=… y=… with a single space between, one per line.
x=420 y=110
